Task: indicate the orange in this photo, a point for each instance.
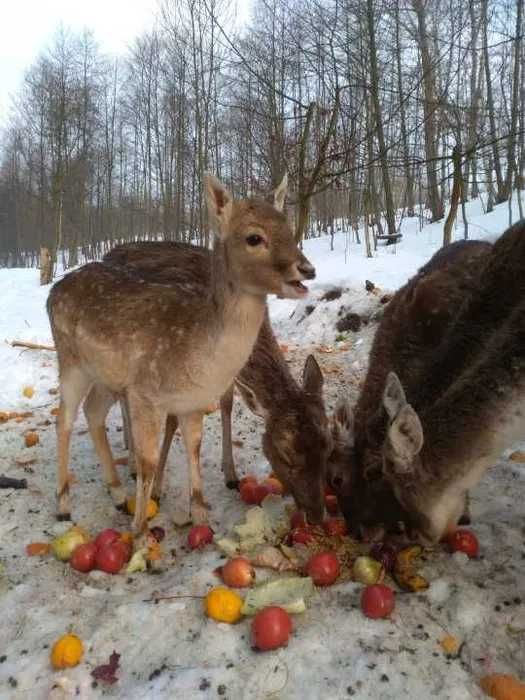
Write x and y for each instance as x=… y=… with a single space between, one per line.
x=151 y=510
x=67 y=651
x=223 y=605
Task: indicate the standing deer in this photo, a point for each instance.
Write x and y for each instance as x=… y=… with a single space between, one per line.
x=169 y=353
x=444 y=353
x=296 y=440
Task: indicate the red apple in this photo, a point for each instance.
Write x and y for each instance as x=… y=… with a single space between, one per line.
x=107 y=536
x=463 y=541
x=111 y=557
x=238 y=573
x=323 y=568
x=377 y=601
x=83 y=557
x=331 y=504
x=199 y=536
x=271 y=628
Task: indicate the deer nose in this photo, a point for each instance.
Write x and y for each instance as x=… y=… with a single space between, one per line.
x=306 y=269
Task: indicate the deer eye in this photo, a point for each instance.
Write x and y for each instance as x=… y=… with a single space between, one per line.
x=254 y=239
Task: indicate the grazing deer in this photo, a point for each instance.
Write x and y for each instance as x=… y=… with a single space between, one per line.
x=296 y=440
x=447 y=365
x=169 y=353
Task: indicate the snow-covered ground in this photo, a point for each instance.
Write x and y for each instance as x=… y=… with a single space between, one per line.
x=169 y=649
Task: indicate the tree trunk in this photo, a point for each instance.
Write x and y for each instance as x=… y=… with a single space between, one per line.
x=46 y=266
x=454 y=198
x=429 y=111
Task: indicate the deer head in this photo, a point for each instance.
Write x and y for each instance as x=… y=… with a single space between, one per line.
x=258 y=244
x=297 y=442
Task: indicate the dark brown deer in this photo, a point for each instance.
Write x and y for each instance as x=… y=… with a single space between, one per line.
x=169 y=353
x=446 y=364
x=296 y=440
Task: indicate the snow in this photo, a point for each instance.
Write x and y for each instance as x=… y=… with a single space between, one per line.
x=169 y=649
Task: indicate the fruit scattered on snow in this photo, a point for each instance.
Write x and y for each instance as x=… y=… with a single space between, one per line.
x=238 y=573
x=223 y=605
x=271 y=628
x=335 y=526
x=83 y=557
x=63 y=546
x=199 y=536
x=273 y=485
x=323 y=568
x=368 y=571
x=107 y=536
x=151 y=509
x=463 y=541
x=377 y=601
x=110 y=558
x=503 y=687
x=302 y=535
x=404 y=569
x=384 y=553
x=66 y=652
x=28 y=392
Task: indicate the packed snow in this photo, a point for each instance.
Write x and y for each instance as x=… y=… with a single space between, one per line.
x=170 y=649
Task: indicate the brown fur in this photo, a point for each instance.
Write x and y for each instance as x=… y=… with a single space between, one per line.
x=296 y=439
x=173 y=352
x=413 y=335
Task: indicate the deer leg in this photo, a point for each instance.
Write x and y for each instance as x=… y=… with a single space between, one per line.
x=128 y=438
x=146 y=426
x=466 y=517
x=228 y=465
x=125 y=424
x=191 y=429
x=169 y=431
x=96 y=409
x=74 y=385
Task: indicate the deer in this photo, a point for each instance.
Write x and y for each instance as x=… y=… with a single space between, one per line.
x=171 y=353
x=297 y=438
x=443 y=396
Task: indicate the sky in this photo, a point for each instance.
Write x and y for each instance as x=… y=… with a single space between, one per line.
x=27 y=27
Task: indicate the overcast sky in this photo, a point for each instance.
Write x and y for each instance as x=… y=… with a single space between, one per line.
x=27 y=26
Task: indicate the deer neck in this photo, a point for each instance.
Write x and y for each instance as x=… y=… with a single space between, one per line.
x=267 y=373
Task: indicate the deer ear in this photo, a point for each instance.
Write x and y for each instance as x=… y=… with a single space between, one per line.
x=251 y=400
x=219 y=202
x=312 y=377
x=279 y=195
x=342 y=423
x=393 y=395
x=404 y=439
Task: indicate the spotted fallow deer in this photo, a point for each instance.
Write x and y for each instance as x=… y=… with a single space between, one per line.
x=444 y=394
x=169 y=353
x=296 y=440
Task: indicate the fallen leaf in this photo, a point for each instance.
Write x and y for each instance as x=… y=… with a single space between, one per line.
x=137 y=562
x=284 y=348
x=31 y=439
x=325 y=349
x=106 y=672
x=4 y=416
x=55 y=411
x=517 y=456
x=37 y=549
x=237 y=443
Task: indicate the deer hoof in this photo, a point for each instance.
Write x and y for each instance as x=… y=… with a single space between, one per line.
x=63 y=516
x=233 y=484
x=181 y=518
x=465 y=519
